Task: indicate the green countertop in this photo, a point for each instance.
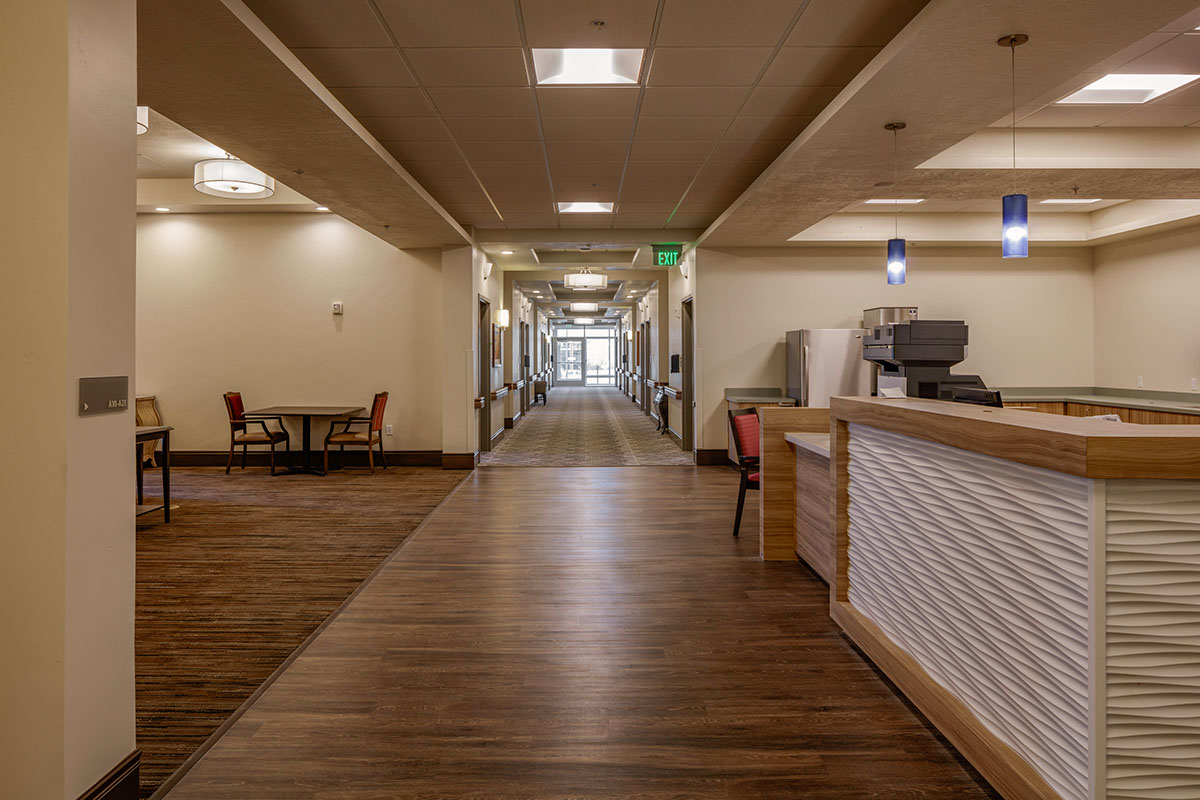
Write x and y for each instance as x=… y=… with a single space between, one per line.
x=1144 y=400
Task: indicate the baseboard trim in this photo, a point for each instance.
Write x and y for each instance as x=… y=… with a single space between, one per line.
x=675 y=436
x=712 y=458
x=460 y=460
x=355 y=457
x=121 y=782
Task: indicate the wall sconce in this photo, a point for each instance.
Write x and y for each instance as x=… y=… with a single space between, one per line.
x=502 y=318
x=487 y=270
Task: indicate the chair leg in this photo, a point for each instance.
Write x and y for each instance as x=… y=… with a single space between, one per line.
x=371 y=458
x=327 y=457
x=272 y=457
x=243 y=456
x=229 y=466
x=382 y=457
x=737 y=521
x=341 y=456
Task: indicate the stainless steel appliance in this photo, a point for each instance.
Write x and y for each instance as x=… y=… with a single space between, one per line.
x=885 y=315
x=916 y=357
x=826 y=362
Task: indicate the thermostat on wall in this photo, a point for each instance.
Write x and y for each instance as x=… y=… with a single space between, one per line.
x=337 y=308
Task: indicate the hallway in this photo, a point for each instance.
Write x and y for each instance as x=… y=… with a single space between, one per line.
x=593 y=426
x=593 y=633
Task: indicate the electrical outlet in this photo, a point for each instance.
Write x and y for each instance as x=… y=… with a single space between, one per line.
x=387 y=429
x=337 y=308
x=1139 y=381
x=1195 y=387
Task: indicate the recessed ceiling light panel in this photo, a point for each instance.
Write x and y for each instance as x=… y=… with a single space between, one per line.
x=896 y=202
x=1121 y=88
x=577 y=66
x=584 y=306
x=585 y=207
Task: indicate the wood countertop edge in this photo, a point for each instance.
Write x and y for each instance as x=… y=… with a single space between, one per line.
x=1087 y=448
x=809 y=442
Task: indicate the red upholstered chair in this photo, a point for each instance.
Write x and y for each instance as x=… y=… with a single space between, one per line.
x=370 y=437
x=744 y=423
x=243 y=432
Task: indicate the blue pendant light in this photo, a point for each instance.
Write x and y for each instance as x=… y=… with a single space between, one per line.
x=896 y=262
x=1014 y=230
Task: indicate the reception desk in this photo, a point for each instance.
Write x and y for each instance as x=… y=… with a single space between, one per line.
x=1032 y=583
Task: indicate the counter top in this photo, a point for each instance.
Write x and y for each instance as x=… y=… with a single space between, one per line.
x=753 y=395
x=1169 y=402
x=817 y=443
x=1091 y=448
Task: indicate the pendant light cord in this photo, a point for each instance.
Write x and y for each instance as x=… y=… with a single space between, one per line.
x=896 y=176
x=1012 y=48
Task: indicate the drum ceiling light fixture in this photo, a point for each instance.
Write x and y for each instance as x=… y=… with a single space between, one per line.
x=585 y=306
x=586 y=281
x=232 y=177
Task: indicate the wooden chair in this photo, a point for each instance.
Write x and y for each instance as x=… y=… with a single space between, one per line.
x=145 y=412
x=744 y=424
x=241 y=433
x=370 y=437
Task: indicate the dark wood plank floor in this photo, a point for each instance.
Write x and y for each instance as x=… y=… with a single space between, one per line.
x=248 y=567
x=583 y=633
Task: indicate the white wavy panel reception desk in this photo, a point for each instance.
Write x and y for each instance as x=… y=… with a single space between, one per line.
x=1032 y=583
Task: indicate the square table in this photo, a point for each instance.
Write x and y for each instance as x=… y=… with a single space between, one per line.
x=149 y=433
x=306 y=413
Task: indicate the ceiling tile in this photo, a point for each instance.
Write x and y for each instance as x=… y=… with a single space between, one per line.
x=503 y=151
x=661 y=168
x=383 y=101
x=562 y=101
x=659 y=208
x=681 y=101
x=483 y=102
x=452 y=23
x=707 y=66
x=666 y=194
x=800 y=101
x=553 y=23
x=865 y=23
x=715 y=171
x=565 y=167
x=585 y=220
x=1073 y=116
x=1185 y=96
x=767 y=127
x=1156 y=116
x=507 y=129
x=720 y=23
x=530 y=205
x=640 y=221
x=479 y=220
x=446 y=187
x=332 y=23
x=711 y=128
x=405 y=129
x=505 y=170
x=469 y=66
x=356 y=66
x=586 y=151
x=734 y=149
x=1178 y=56
x=422 y=151
x=535 y=182
x=691 y=219
x=587 y=128
x=669 y=150
x=546 y=219
x=817 y=66
x=425 y=171
x=568 y=184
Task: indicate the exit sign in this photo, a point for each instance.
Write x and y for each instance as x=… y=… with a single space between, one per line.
x=666 y=255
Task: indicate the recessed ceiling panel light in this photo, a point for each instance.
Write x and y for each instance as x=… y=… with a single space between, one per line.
x=1129 y=89
x=898 y=202
x=160 y=208
x=586 y=66
x=506 y=252
x=584 y=306
x=1065 y=202
x=585 y=207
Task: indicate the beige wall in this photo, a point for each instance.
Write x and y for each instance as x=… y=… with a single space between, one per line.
x=1030 y=319
x=242 y=302
x=1147 y=291
x=66 y=580
x=462 y=277
x=680 y=288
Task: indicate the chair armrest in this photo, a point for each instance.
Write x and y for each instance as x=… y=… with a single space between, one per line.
x=261 y=422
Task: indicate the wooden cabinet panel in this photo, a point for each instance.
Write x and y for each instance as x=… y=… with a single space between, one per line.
x=1046 y=408
x=814 y=512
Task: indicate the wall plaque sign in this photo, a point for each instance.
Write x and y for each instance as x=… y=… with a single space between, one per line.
x=103 y=395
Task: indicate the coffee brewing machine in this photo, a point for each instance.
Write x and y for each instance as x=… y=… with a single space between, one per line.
x=915 y=358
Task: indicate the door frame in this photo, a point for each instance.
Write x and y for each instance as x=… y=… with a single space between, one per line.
x=484 y=373
x=559 y=380
x=687 y=369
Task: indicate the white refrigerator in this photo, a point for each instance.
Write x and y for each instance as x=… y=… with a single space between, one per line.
x=826 y=362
